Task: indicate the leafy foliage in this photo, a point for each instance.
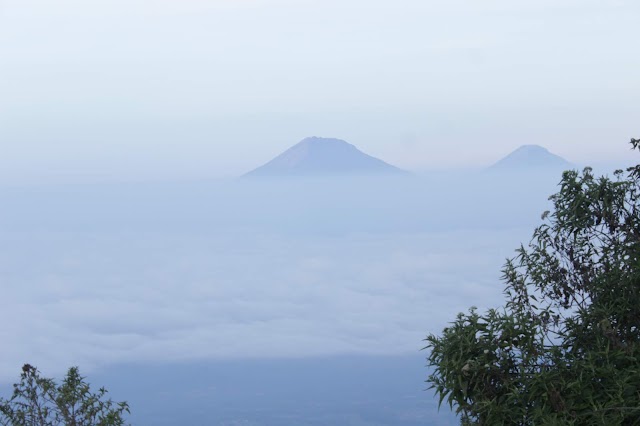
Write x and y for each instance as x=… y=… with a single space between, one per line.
x=39 y=401
x=565 y=349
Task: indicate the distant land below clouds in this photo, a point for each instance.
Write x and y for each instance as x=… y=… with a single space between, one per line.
x=318 y=157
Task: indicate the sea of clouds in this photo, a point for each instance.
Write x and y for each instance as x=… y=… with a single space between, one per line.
x=101 y=275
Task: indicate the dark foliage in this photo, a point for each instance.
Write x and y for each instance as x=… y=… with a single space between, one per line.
x=565 y=347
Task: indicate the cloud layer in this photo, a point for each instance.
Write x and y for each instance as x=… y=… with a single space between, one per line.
x=95 y=289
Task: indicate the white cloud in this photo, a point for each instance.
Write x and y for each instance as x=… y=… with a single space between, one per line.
x=95 y=299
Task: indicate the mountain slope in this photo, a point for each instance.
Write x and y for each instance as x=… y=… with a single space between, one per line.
x=316 y=156
x=531 y=157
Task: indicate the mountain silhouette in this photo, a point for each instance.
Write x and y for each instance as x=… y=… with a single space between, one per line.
x=316 y=156
x=531 y=158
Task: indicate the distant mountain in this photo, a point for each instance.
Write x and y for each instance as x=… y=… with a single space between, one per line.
x=531 y=158
x=316 y=156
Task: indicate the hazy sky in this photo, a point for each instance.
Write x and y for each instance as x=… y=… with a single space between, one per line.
x=142 y=89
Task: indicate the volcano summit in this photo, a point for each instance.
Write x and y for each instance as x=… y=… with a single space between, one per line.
x=316 y=156
x=531 y=158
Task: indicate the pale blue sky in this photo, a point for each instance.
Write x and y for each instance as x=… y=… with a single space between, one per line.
x=141 y=89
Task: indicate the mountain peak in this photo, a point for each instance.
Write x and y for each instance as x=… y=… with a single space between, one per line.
x=317 y=140
x=531 y=157
x=320 y=145
x=317 y=156
x=532 y=147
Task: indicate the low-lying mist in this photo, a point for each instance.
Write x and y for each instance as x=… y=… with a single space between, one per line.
x=255 y=272
x=304 y=206
x=98 y=274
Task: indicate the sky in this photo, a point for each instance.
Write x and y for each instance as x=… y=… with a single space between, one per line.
x=115 y=90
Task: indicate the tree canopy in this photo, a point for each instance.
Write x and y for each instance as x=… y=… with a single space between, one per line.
x=39 y=401
x=565 y=348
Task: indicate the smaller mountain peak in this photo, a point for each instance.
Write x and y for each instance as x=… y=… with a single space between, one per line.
x=530 y=157
x=532 y=149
